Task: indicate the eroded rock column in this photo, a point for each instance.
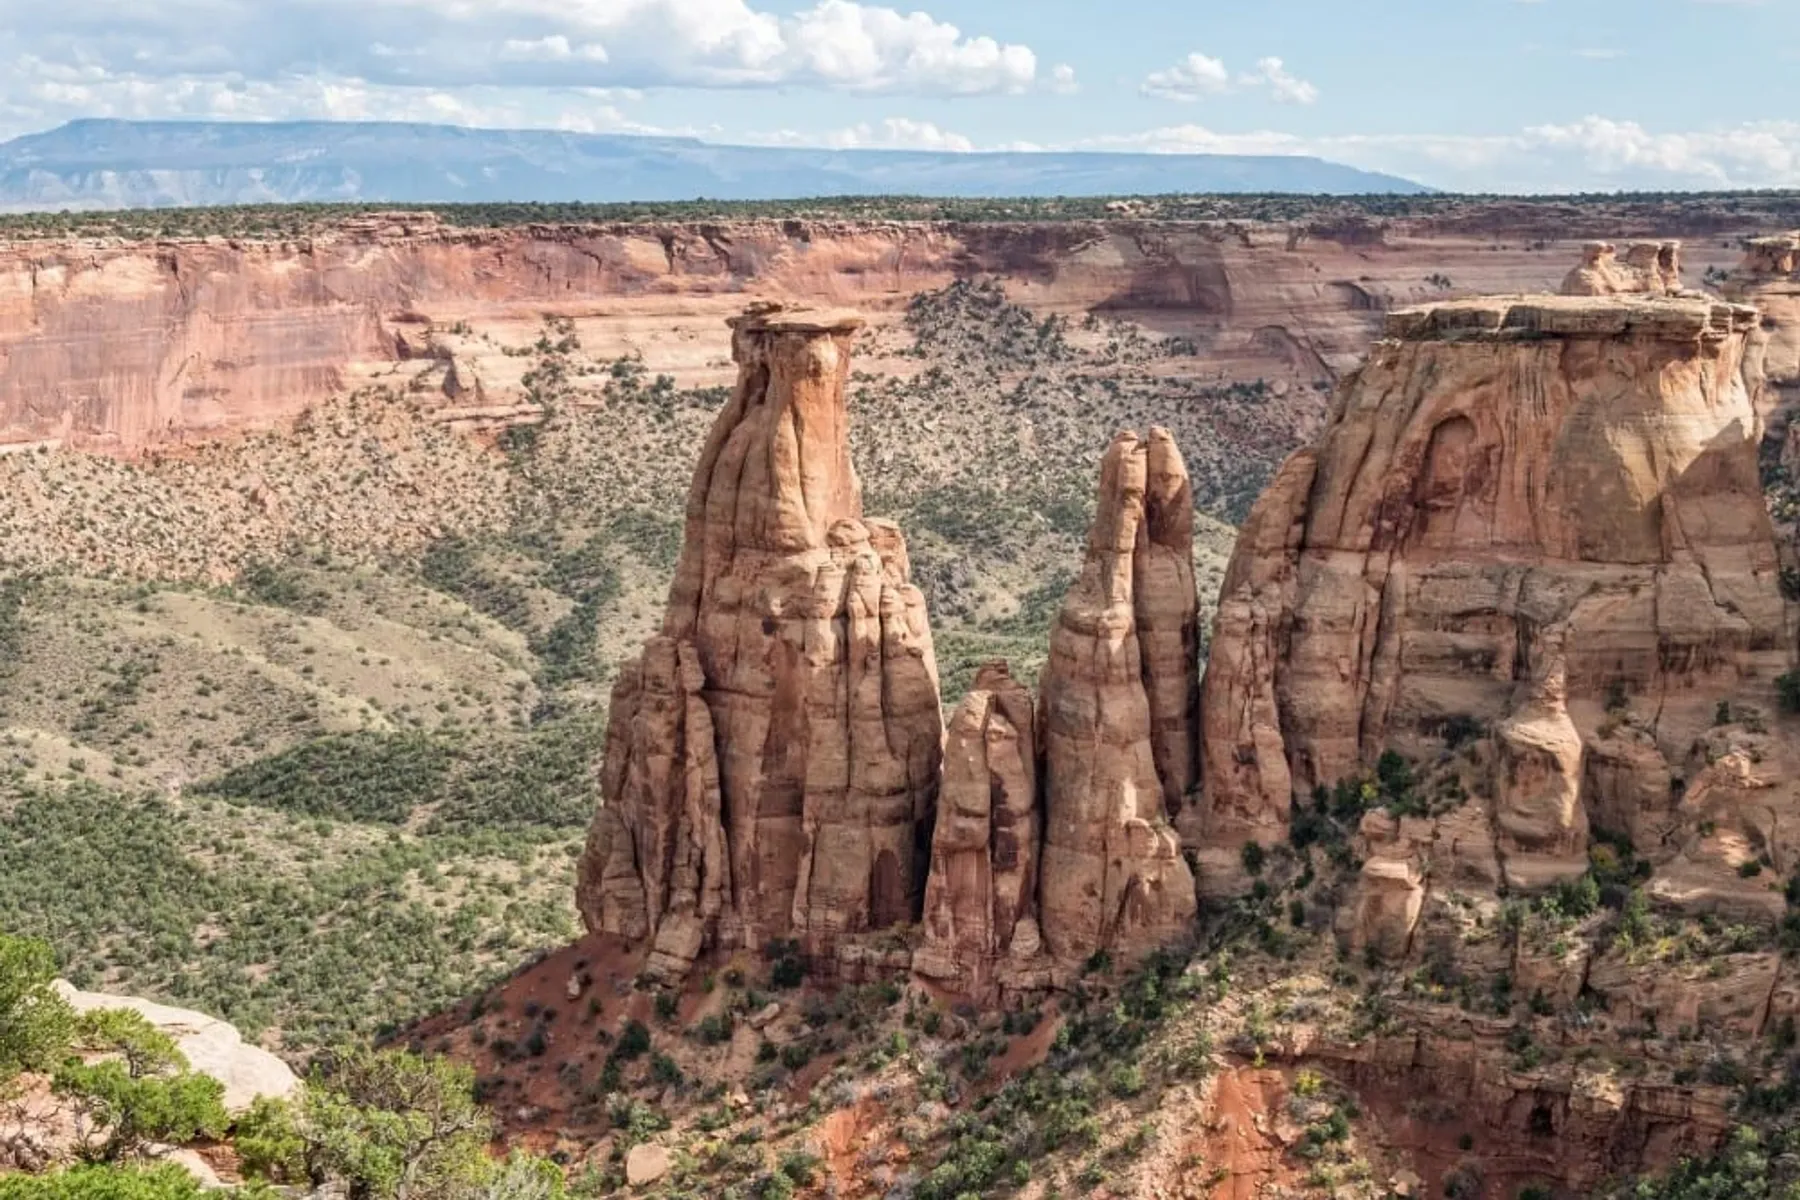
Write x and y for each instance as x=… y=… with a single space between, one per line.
x=1114 y=877
x=799 y=638
x=981 y=899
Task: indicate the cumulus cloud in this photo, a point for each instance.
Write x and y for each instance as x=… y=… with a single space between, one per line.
x=1192 y=78
x=1199 y=76
x=1283 y=86
x=39 y=88
x=837 y=44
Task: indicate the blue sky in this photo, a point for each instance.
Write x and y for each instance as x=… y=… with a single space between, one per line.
x=1505 y=95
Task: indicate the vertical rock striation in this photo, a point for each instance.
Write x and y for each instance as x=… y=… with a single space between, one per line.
x=1524 y=515
x=981 y=899
x=772 y=762
x=1117 y=710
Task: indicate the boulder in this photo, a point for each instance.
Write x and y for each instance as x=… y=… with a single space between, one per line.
x=212 y=1047
x=645 y=1164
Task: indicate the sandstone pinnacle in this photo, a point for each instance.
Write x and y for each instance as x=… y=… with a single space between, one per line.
x=772 y=761
x=1116 y=706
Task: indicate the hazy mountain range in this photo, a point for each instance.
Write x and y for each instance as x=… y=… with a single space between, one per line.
x=129 y=164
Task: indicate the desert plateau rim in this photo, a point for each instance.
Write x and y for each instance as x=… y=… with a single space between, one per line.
x=1299 y=700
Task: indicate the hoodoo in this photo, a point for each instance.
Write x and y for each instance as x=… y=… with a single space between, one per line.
x=981 y=902
x=1769 y=278
x=772 y=761
x=1534 y=522
x=1118 y=715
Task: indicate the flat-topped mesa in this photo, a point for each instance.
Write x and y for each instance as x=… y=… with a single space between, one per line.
x=1506 y=480
x=772 y=760
x=1647 y=269
x=1118 y=710
x=1774 y=257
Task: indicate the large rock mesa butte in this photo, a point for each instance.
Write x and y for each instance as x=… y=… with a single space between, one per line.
x=1536 y=520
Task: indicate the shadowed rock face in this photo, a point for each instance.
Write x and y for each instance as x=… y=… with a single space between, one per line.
x=1769 y=278
x=981 y=899
x=772 y=762
x=1117 y=715
x=1521 y=510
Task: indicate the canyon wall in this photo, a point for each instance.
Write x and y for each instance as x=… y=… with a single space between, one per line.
x=121 y=346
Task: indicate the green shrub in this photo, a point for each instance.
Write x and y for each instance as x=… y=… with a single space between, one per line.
x=35 y=1023
x=165 y=1181
x=143 y=1094
x=349 y=776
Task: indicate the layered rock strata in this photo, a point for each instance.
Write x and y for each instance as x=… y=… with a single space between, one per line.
x=1118 y=715
x=1527 y=519
x=773 y=758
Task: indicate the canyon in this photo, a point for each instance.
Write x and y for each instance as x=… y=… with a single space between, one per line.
x=1512 y=627
x=1205 y=708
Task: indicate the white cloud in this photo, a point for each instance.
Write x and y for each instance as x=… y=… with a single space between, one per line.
x=1190 y=79
x=38 y=87
x=1198 y=76
x=893 y=133
x=1592 y=154
x=835 y=44
x=1283 y=86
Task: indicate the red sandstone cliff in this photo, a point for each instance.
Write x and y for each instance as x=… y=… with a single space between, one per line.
x=1537 y=518
x=117 y=346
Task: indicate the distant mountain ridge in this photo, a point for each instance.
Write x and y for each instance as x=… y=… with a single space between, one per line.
x=93 y=164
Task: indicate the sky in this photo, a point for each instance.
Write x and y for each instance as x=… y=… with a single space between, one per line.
x=1467 y=95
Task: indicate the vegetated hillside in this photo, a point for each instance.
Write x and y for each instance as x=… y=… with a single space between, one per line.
x=333 y=694
x=1607 y=215
x=132 y=164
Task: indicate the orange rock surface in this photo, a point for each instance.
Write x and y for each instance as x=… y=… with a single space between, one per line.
x=1516 y=499
x=772 y=764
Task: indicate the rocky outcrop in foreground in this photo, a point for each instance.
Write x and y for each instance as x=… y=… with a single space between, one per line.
x=1533 y=529
x=772 y=760
x=211 y=1046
